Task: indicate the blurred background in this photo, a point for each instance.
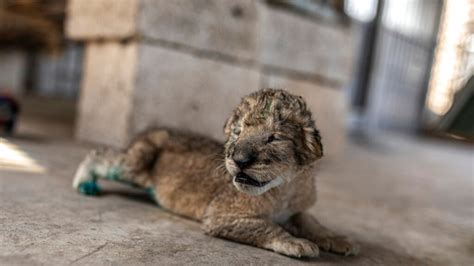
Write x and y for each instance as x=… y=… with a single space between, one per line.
x=366 y=65
x=390 y=83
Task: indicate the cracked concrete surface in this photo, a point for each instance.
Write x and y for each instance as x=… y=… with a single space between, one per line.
x=407 y=201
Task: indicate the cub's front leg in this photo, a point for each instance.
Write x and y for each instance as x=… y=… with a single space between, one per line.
x=305 y=225
x=260 y=233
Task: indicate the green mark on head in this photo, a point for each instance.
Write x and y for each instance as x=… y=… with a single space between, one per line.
x=90 y=188
x=267 y=108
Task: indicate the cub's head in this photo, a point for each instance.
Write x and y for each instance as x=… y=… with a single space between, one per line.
x=271 y=136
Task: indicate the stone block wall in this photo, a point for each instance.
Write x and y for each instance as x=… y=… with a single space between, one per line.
x=101 y=19
x=223 y=27
x=187 y=91
x=106 y=99
x=294 y=44
x=186 y=64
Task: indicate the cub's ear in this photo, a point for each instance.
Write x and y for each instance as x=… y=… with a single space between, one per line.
x=312 y=146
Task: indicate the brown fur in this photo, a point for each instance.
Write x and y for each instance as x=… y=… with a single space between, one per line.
x=197 y=177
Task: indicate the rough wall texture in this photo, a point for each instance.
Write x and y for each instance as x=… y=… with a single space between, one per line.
x=301 y=45
x=108 y=86
x=101 y=19
x=226 y=27
x=196 y=59
x=185 y=91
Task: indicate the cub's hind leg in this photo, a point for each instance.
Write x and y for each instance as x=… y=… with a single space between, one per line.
x=132 y=166
x=102 y=164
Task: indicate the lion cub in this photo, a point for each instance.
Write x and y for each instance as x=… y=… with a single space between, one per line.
x=254 y=189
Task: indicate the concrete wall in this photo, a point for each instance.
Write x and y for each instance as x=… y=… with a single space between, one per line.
x=187 y=91
x=195 y=59
x=296 y=44
x=105 y=102
x=223 y=27
x=101 y=19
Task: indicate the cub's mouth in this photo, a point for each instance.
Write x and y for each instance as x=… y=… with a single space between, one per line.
x=245 y=179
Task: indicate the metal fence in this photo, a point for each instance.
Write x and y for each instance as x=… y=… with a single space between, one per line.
x=58 y=76
x=400 y=63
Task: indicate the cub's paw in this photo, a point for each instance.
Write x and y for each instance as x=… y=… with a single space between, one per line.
x=90 y=188
x=295 y=247
x=339 y=244
x=85 y=181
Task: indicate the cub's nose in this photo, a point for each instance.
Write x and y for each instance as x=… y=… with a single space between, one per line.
x=244 y=160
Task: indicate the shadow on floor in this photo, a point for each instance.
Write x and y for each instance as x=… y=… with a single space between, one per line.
x=371 y=254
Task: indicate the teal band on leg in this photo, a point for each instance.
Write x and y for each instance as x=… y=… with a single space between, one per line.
x=114 y=174
x=90 y=188
x=152 y=194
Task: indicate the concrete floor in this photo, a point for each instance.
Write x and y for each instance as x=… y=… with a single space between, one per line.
x=407 y=201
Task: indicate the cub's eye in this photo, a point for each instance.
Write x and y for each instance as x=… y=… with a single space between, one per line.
x=236 y=131
x=271 y=138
